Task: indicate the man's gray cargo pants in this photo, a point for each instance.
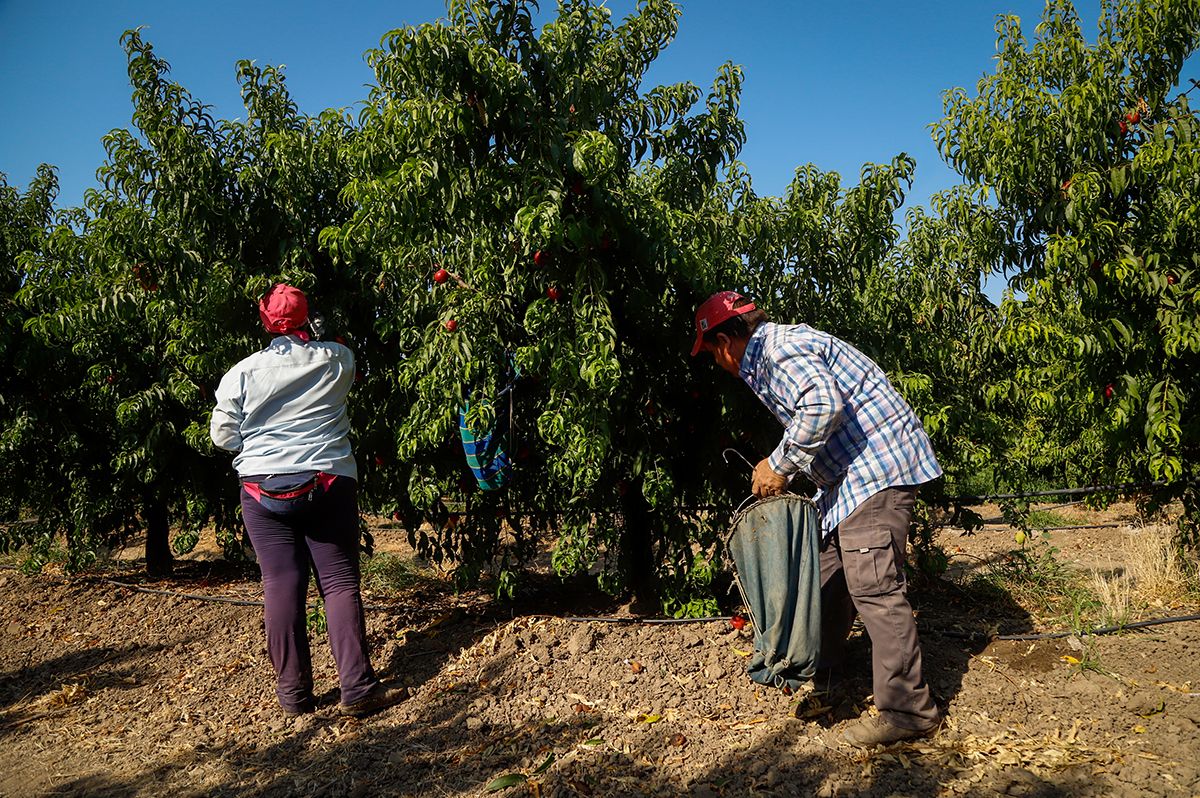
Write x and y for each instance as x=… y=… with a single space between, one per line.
x=862 y=570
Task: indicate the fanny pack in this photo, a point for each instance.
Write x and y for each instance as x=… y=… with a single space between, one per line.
x=285 y=493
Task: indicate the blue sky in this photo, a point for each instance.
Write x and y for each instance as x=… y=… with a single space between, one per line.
x=834 y=84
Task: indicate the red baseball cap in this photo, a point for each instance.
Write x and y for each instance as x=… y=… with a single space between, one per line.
x=283 y=309
x=717 y=308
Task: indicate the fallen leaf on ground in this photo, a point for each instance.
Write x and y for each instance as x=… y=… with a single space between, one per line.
x=506 y=781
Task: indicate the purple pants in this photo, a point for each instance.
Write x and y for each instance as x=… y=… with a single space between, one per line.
x=321 y=535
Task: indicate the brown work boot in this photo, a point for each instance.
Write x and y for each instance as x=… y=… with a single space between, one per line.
x=379 y=698
x=869 y=732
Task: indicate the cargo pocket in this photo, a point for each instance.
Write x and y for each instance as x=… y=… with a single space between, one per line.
x=871 y=562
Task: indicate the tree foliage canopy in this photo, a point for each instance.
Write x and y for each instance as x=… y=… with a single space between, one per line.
x=513 y=233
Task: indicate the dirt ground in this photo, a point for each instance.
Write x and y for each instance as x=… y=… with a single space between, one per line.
x=106 y=691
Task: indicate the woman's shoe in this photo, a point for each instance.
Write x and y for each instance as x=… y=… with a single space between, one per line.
x=379 y=698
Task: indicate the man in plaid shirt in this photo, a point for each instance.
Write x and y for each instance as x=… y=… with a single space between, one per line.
x=854 y=436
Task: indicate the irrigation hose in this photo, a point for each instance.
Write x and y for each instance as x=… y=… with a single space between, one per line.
x=640 y=621
x=1127 y=487
x=1074 y=526
x=1106 y=630
x=191 y=596
x=224 y=599
x=634 y=620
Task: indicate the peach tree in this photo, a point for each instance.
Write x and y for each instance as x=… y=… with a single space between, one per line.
x=832 y=255
x=515 y=192
x=48 y=463
x=1090 y=157
x=153 y=289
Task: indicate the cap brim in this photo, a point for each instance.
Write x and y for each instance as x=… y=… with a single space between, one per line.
x=696 y=347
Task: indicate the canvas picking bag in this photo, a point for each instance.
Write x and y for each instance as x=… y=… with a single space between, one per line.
x=775 y=545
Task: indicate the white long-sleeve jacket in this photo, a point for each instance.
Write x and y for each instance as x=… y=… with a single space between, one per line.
x=283 y=410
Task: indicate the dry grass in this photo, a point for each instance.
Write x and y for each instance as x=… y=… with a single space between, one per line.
x=69 y=694
x=490 y=644
x=968 y=759
x=1114 y=591
x=1154 y=575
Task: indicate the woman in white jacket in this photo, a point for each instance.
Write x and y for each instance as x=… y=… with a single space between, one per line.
x=283 y=410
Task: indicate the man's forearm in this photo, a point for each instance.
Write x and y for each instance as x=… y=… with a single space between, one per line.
x=803 y=438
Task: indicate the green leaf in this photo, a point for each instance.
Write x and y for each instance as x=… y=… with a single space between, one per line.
x=506 y=781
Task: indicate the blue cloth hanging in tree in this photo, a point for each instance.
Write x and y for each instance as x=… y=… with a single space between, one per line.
x=486 y=458
x=490 y=464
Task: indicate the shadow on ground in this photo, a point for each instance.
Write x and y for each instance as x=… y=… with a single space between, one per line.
x=436 y=744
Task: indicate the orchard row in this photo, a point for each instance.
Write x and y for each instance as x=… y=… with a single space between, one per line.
x=513 y=207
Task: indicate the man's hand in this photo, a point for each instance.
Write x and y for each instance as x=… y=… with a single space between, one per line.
x=766 y=482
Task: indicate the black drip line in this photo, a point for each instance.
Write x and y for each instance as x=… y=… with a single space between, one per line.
x=638 y=621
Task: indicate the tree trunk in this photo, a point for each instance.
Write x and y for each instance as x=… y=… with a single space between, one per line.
x=159 y=561
x=637 y=553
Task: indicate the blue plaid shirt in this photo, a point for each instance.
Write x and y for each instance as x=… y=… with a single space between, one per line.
x=845 y=426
